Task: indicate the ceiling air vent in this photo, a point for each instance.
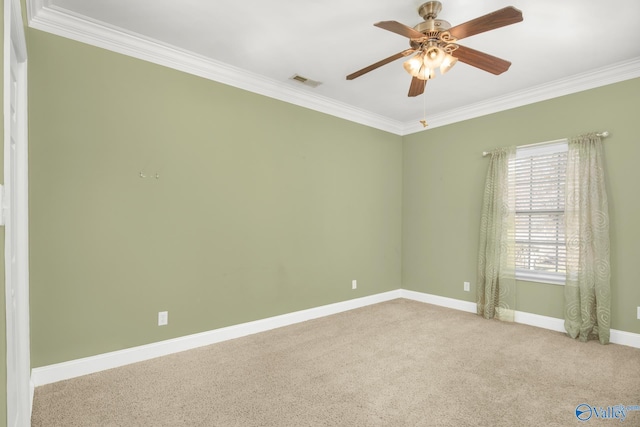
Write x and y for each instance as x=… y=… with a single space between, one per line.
x=305 y=81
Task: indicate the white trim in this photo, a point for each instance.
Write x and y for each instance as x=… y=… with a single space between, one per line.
x=60 y=22
x=546 y=322
x=541 y=277
x=88 y=365
x=618 y=72
x=32 y=392
x=542 y=148
x=438 y=300
x=625 y=338
x=43 y=16
x=16 y=262
x=75 y=368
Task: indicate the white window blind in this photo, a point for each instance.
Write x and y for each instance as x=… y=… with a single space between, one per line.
x=540 y=173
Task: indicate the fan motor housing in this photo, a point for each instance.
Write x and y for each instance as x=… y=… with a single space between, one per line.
x=432 y=26
x=431 y=29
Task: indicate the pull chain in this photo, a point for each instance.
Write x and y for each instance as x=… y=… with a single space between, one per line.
x=424 y=121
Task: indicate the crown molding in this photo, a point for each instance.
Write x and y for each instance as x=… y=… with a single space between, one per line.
x=44 y=16
x=589 y=80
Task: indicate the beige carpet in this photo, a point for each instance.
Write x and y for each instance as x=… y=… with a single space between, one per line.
x=399 y=363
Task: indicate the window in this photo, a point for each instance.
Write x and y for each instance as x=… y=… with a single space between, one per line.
x=540 y=173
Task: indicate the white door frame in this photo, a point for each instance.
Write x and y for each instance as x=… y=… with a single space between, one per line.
x=15 y=211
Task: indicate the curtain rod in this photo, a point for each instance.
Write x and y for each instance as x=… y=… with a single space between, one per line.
x=603 y=134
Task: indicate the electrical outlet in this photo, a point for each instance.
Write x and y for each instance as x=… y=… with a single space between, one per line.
x=354 y=284
x=638 y=313
x=163 y=318
x=467 y=286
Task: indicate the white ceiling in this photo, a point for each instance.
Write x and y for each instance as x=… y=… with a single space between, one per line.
x=558 y=43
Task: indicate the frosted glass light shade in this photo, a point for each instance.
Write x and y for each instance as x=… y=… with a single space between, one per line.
x=417 y=68
x=434 y=56
x=414 y=64
x=448 y=63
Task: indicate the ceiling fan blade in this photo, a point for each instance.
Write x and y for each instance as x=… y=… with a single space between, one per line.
x=380 y=63
x=398 y=28
x=484 y=61
x=500 y=18
x=417 y=86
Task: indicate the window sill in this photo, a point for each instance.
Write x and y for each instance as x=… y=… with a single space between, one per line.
x=537 y=276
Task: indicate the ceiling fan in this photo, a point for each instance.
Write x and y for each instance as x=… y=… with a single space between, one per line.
x=435 y=42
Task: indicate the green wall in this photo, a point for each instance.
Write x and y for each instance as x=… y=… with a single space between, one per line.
x=443 y=179
x=261 y=207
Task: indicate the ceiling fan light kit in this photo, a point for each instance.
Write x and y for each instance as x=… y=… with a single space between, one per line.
x=435 y=44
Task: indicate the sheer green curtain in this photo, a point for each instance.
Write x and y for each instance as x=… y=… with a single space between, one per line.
x=496 y=261
x=587 y=289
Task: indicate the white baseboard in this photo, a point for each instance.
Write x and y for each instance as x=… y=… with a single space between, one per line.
x=625 y=338
x=88 y=365
x=438 y=300
x=546 y=322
